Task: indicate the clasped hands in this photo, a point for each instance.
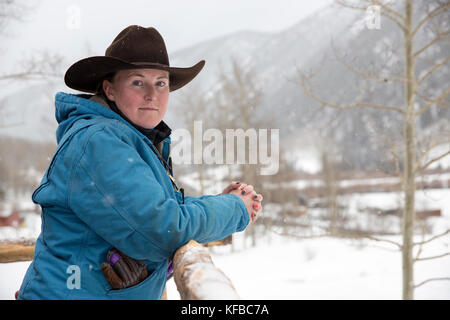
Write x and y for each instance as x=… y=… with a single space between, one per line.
x=252 y=200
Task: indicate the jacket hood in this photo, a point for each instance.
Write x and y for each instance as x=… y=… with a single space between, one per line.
x=70 y=108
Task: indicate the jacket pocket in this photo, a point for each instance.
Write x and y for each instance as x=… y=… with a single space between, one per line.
x=150 y=288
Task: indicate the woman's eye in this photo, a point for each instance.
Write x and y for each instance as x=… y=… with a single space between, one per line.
x=137 y=83
x=161 y=83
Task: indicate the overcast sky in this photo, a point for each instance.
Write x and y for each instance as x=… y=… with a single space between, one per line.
x=73 y=28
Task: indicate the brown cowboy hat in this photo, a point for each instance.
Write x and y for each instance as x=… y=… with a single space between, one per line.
x=134 y=47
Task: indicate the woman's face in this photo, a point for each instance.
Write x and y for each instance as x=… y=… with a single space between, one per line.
x=142 y=95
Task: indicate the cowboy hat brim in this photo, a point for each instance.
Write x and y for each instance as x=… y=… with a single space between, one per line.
x=86 y=74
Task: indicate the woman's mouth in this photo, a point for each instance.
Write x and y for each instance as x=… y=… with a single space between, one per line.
x=149 y=109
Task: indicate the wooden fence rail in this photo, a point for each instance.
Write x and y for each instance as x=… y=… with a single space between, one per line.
x=195 y=274
x=13 y=252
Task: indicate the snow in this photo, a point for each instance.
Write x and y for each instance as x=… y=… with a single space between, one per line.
x=430 y=199
x=306 y=159
x=326 y=268
x=209 y=284
x=329 y=268
x=200 y=278
x=11 y=276
x=31 y=229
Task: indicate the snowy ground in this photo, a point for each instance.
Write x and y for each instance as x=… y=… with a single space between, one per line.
x=326 y=268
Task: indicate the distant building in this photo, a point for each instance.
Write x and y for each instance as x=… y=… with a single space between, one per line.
x=13 y=220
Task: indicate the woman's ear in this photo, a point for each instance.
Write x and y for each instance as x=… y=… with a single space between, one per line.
x=108 y=89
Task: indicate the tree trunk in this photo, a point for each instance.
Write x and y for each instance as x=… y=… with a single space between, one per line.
x=409 y=170
x=329 y=177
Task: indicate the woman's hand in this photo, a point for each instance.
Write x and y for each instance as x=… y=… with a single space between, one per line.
x=251 y=199
x=232 y=186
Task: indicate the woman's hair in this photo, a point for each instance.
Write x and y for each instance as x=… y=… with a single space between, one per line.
x=109 y=77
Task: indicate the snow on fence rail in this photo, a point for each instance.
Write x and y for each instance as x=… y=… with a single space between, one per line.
x=195 y=274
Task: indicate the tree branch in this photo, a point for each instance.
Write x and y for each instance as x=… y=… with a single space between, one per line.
x=433 y=257
x=424 y=153
x=433 y=160
x=432 y=102
x=399 y=245
x=429 y=72
x=419 y=252
x=432 y=238
x=421 y=96
x=362 y=73
x=398 y=23
x=388 y=9
x=337 y=235
x=350 y=106
x=391 y=147
x=440 y=36
x=441 y=9
x=28 y=75
x=431 y=279
x=39 y=65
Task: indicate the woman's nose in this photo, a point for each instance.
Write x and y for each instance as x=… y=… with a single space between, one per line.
x=149 y=93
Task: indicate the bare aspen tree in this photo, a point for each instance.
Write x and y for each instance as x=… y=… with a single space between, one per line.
x=410 y=23
x=12 y=10
x=39 y=65
x=331 y=187
x=237 y=104
x=194 y=107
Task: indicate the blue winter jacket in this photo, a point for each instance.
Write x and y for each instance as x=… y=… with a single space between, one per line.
x=105 y=188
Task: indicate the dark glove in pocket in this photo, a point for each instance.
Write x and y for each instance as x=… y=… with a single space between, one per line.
x=122 y=271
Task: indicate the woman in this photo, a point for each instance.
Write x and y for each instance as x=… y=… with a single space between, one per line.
x=112 y=213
